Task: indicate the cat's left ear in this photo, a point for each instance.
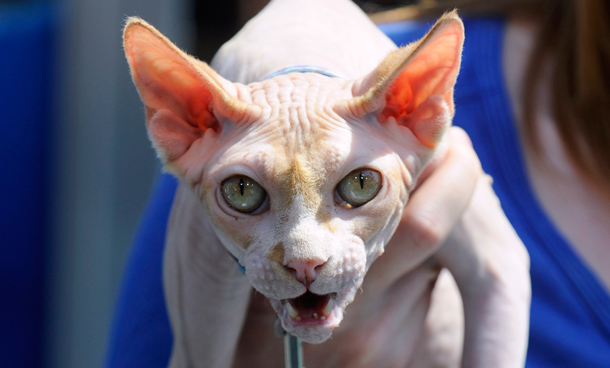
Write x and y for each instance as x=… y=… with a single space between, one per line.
x=414 y=84
x=187 y=103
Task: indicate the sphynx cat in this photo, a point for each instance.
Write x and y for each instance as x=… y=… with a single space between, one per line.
x=297 y=152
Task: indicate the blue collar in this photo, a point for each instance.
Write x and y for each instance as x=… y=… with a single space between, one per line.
x=303 y=69
x=239 y=265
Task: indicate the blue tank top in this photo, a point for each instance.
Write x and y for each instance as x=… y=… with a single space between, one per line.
x=570 y=312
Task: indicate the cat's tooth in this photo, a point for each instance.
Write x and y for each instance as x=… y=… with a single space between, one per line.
x=291 y=311
x=333 y=296
x=315 y=315
x=328 y=308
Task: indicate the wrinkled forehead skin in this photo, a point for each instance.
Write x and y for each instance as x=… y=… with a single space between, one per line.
x=298 y=151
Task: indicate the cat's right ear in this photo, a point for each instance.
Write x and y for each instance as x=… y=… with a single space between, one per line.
x=185 y=99
x=414 y=84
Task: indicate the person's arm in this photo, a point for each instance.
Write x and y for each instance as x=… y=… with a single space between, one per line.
x=491 y=267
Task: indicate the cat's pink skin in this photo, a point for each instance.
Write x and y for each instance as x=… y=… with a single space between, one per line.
x=298 y=135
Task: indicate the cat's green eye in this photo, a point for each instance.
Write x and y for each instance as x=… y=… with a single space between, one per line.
x=359 y=187
x=243 y=194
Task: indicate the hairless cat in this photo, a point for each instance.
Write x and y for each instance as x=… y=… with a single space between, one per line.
x=297 y=152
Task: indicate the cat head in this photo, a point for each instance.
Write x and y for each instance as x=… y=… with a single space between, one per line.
x=304 y=176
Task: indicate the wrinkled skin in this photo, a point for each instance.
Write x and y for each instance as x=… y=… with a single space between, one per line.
x=306 y=247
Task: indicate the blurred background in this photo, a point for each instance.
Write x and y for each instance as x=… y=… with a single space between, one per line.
x=77 y=166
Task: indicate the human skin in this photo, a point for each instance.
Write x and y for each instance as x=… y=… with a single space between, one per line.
x=576 y=207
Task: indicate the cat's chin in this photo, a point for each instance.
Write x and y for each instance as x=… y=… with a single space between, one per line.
x=313 y=335
x=313 y=331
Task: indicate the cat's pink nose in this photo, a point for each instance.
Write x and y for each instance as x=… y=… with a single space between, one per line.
x=305 y=271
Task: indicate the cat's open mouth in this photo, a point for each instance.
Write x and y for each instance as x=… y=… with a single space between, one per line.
x=312 y=317
x=310 y=308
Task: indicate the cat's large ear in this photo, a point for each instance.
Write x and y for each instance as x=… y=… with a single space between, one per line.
x=414 y=84
x=184 y=97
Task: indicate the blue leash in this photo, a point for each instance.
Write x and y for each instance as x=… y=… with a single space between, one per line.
x=293 y=351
